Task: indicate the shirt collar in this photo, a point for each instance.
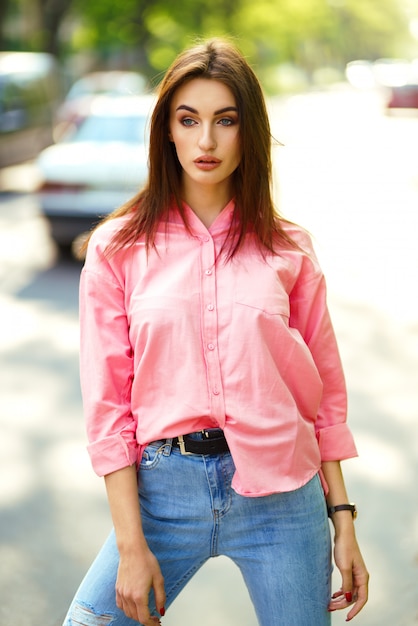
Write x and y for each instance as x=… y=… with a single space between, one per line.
x=222 y=222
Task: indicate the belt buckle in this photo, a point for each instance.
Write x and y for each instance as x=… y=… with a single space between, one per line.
x=182 y=445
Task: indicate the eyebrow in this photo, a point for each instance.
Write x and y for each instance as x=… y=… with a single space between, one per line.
x=185 y=107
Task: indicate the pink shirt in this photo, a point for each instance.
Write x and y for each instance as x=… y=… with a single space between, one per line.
x=174 y=343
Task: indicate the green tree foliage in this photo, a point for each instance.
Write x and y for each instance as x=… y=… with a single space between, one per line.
x=154 y=30
x=149 y=33
x=314 y=32
x=306 y=33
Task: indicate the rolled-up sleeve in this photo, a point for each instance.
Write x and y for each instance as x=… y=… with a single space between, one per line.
x=106 y=366
x=310 y=316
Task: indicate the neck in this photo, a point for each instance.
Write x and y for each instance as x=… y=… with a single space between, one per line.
x=207 y=202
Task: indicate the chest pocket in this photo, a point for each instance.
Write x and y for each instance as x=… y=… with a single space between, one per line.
x=274 y=304
x=261 y=289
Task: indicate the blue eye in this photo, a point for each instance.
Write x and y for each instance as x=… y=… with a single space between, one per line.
x=187 y=121
x=226 y=121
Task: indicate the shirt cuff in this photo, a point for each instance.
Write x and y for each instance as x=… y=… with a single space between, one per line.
x=336 y=443
x=111 y=454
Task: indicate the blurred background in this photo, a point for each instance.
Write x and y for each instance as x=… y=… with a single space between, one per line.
x=76 y=88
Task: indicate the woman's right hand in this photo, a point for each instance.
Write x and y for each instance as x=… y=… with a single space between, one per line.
x=138 y=573
x=138 y=570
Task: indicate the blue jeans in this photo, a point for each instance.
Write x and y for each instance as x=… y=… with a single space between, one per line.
x=281 y=543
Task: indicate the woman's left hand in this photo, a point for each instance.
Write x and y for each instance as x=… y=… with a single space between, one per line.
x=355 y=577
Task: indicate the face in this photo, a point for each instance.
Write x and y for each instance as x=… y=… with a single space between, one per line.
x=205 y=130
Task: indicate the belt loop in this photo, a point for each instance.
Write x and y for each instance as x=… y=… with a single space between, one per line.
x=168 y=446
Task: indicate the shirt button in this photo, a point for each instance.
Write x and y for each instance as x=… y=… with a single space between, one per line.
x=216 y=392
x=208 y=272
x=206 y=239
x=211 y=346
x=210 y=307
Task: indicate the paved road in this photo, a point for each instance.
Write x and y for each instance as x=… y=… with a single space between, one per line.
x=350 y=175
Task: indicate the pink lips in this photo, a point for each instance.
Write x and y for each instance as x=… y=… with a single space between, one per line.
x=207 y=162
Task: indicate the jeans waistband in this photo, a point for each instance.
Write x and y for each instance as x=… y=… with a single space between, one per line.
x=206 y=441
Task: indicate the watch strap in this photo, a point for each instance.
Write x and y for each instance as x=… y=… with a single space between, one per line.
x=343 y=507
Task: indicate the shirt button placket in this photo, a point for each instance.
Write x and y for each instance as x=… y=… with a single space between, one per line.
x=209 y=330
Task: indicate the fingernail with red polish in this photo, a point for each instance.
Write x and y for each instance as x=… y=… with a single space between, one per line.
x=162 y=612
x=349 y=596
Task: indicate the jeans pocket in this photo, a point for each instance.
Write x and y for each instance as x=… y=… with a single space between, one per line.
x=151 y=457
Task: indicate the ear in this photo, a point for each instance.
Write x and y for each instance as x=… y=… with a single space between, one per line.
x=170 y=137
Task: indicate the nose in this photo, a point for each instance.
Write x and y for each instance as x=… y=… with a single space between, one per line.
x=207 y=139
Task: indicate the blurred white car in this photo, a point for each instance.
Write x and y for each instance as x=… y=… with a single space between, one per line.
x=77 y=103
x=97 y=168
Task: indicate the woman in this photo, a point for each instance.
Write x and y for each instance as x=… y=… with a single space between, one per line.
x=212 y=386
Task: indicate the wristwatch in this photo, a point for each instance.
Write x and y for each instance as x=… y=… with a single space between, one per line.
x=343 y=507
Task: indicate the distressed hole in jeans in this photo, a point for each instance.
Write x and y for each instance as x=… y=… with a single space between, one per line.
x=83 y=615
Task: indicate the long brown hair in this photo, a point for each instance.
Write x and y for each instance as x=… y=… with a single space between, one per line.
x=254 y=210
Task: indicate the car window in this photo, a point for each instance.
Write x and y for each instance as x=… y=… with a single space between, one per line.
x=129 y=129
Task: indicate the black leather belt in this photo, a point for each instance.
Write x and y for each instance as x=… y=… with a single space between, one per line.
x=212 y=441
